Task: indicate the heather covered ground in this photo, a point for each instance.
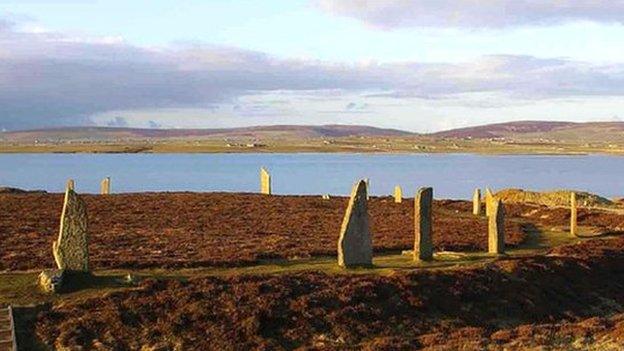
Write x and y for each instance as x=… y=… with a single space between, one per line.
x=569 y=299
x=221 y=271
x=175 y=230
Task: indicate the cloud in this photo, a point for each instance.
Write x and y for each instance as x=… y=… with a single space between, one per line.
x=153 y=124
x=52 y=79
x=117 y=122
x=389 y=14
x=353 y=106
x=5 y=24
x=49 y=79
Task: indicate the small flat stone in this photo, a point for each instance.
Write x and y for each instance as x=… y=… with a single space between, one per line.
x=51 y=280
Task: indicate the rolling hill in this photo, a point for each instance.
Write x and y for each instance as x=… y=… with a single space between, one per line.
x=520 y=131
x=500 y=130
x=568 y=132
x=273 y=132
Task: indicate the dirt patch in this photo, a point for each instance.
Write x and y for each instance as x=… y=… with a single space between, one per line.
x=217 y=229
x=518 y=303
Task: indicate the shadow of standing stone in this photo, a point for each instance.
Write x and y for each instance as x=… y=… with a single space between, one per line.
x=423 y=243
x=355 y=247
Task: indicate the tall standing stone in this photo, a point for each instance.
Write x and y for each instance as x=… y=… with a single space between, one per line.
x=265 y=181
x=355 y=247
x=105 y=186
x=71 y=249
x=423 y=244
x=476 y=202
x=496 y=228
x=398 y=194
x=489 y=201
x=367 y=181
x=573 y=214
x=71 y=185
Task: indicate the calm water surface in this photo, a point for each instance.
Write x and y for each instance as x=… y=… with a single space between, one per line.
x=452 y=176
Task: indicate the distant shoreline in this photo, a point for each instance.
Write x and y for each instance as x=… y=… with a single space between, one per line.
x=386 y=145
x=126 y=149
x=513 y=138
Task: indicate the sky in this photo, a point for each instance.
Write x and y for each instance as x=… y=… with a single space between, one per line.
x=421 y=66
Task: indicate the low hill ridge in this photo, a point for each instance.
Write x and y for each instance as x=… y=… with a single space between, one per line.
x=503 y=129
x=541 y=130
x=271 y=131
x=519 y=131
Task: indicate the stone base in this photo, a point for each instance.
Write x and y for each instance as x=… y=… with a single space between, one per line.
x=131 y=279
x=63 y=280
x=51 y=280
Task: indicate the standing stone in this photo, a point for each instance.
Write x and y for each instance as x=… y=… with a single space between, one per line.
x=71 y=249
x=496 y=228
x=367 y=181
x=355 y=247
x=489 y=200
x=573 y=214
x=105 y=187
x=398 y=194
x=476 y=202
x=265 y=182
x=71 y=185
x=423 y=245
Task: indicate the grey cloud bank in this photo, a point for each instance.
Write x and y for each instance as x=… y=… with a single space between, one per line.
x=51 y=79
x=388 y=14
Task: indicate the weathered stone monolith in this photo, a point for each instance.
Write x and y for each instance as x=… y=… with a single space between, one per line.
x=367 y=181
x=489 y=201
x=265 y=181
x=423 y=244
x=398 y=194
x=71 y=249
x=71 y=185
x=476 y=202
x=573 y=214
x=105 y=186
x=496 y=228
x=355 y=247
